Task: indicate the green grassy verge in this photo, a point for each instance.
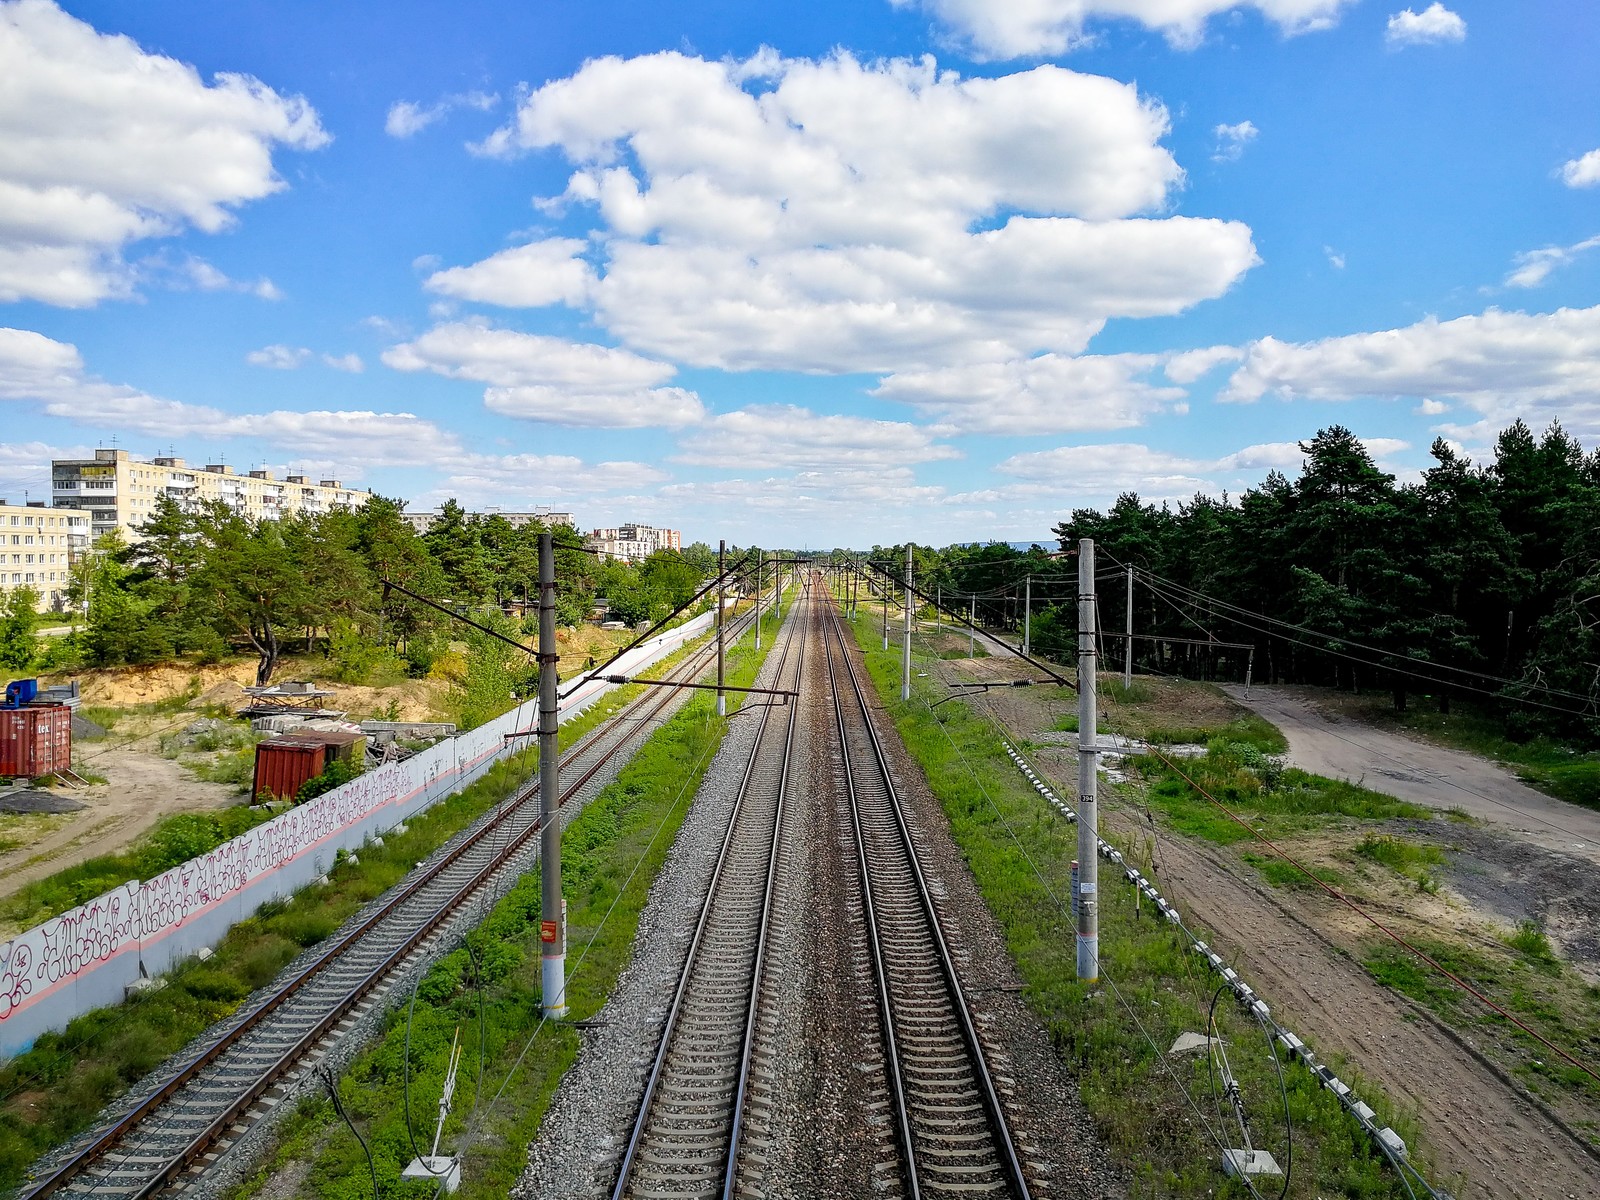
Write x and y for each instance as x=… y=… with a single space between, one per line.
x=1523 y=976
x=172 y=840
x=610 y=856
x=1274 y=799
x=54 y=1090
x=1139 y=1111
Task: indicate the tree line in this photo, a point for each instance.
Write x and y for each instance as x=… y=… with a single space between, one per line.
x=205 y=581
x=1478 y=580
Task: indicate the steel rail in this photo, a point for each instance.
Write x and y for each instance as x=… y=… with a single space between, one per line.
x=1005 y=1148
x=647 y=705
x=653 y=1081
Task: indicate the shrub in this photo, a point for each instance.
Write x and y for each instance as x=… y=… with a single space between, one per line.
x=339 y=771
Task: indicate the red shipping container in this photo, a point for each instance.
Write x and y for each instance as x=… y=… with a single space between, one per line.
x=284 y=763
x=35 y=740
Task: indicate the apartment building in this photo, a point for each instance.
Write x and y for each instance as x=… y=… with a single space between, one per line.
x=633 y=543
x=119 y=491
x=38 y=546
x=422 y=521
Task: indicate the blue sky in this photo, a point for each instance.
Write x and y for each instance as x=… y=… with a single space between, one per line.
x=820 y=274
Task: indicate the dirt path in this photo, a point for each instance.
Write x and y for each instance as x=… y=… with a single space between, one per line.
x=1476 y=1124
x=144 y=787
x=1422 y=773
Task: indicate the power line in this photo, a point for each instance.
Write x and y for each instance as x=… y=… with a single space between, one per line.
x=1151 y=576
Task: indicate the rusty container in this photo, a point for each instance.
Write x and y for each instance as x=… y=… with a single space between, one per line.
x=284 y=763
x=35 y=740
x=342 y=745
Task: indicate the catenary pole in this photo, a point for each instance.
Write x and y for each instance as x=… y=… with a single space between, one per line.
x=552 y=907
x=722 y=659
x=884 y=588
x=905 y=650
x=972 y=627
x=761 y=566
x=1088 y=777
x=1127 y=646
x=1027 y=615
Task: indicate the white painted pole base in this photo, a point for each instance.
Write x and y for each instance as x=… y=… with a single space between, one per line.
x=1088 y=958
x=722 y=706
x=555 y=985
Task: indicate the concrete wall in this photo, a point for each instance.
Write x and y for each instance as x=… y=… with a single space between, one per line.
x=85 y=958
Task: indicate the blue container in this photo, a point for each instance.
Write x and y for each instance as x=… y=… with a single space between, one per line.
x=20 y=692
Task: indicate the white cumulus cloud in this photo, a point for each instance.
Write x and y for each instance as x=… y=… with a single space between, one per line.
x=1232 y=139
x=1052 y=393
x=103 y=144
x=530 y=276
x=407 y=118
x=782 y=435
x=1503 y=365
x=839 y=216
x=1016 y=28
x=1583 y=171
x=551 y=379
x=1533 y=267
x=278 y=356
x=1436 y=23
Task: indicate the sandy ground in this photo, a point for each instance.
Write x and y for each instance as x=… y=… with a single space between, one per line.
x=142 y=788
x=1321 y=742
x=1477 y=1124
x=1484 y=1134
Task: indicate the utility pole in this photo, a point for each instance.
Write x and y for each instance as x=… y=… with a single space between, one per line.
x=777 y=585
x=761 y=566
x=1127 y=647
x=1027 y=615
x=1087 y=901
x=884 y=588
x=905 y=653
x=552 y=907
x=972 y=627
x=938 y=606
x=722 y=660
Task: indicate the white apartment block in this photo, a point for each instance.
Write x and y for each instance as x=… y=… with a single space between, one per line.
x=38 y=546
x=119 y=491
x=422 y=521
x=633 y=543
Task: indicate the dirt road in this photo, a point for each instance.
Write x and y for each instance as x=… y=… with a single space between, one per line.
x=1422 y=773
x=145 y=788
x=1477 y=1126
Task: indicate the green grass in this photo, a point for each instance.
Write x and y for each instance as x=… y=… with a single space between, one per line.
x=1123 y=1079
x=1281 y=874
x=54 y=1090
x=1531 y=942
x=1526 y=979
x=1245 y=730
x=1415 y=861
x=630 y=824
x=171 y=841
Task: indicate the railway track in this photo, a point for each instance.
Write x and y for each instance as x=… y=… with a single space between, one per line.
x=168 y=1137
x=689 y=1135
x=950 y=1124
x=686 y=1136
